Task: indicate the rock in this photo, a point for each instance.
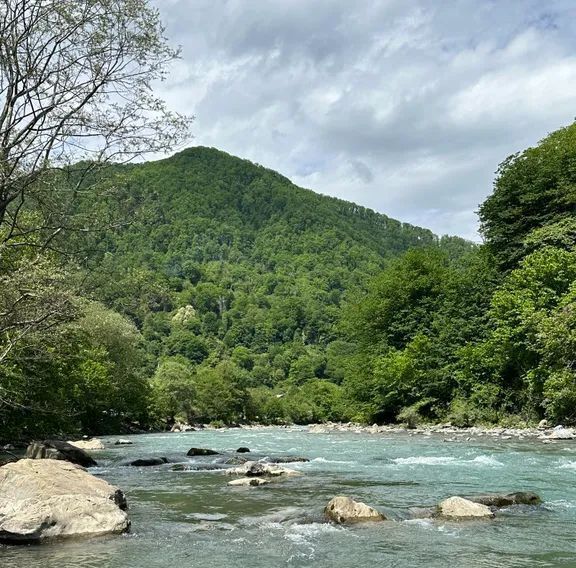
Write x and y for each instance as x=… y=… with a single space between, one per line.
x=54 y=498
x=460 y=508
x=243 y=450
x=123 y=442
x=345 y=510
x=505 y=500
x=56 y=450
x=421 y=512
x=202 y=452
x=147 y=462
x=288 y=459
x=197 y=467
x=543 y=424
x=235 y=460
x=561 y=433
x=93 y=444
x=259 y=469
x=249 y=482
x=181 y=427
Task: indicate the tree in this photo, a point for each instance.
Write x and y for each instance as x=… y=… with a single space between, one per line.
x=76 y=82
x=533 y=188
x=173 y=391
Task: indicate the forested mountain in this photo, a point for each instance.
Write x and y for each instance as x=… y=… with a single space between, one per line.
x=228 y=267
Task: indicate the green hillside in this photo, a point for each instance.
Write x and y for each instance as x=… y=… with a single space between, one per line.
x=225 y=262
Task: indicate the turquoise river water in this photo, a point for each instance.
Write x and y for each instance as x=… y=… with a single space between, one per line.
x=193 y=519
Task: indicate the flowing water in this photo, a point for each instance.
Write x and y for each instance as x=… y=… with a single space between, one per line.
x=193 y=519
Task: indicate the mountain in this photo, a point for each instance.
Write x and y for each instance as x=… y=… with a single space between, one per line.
x=224 y=259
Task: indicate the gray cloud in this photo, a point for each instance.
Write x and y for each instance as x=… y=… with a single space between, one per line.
x=405 y=107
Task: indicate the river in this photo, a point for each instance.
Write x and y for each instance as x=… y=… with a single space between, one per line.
x=193 y=519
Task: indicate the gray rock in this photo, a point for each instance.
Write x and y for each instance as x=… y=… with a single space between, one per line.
x=288 y=459
x=249 y=482
x=56 y=450
x=92 y=444
x=202 y=452
x=458 y=508
x=259 y=469
x=48 y=498
x=235 y=460
x=343 y=509
x=147 y=462
x=498 y=500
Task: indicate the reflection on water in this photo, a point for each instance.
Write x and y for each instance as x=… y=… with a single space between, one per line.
x=192 y=518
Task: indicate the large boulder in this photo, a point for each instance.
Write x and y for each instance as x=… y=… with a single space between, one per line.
x=498 y=500
x=57 y=450
x=47 y=498
x=202 y=452
x=93 y=444
x=343 y=509
x=458 y=508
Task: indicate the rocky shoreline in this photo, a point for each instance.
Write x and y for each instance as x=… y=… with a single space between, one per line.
x=542 y=433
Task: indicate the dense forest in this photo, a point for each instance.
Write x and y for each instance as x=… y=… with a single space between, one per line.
x=205 y=288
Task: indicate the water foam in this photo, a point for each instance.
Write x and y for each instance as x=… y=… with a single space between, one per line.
x=425 y=460
x=487 y=460
x=448 y=460
x=324 y=460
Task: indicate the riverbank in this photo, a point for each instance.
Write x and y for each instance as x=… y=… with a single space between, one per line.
x=450 y=432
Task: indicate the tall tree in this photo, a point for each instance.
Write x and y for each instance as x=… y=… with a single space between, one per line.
x=76 y=81
x=533 y=188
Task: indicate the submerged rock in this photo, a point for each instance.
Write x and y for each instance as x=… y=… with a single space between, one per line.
x=93 y=444
x=343 y=509
x=56 y=450
x=123 y=442
x=459 y=508
x=505 y=500
x=54 y=498
x=202 y=452
x=249 y=482
x=146 y=462
x=198 y=467
x=288 y=459
x=235 y=460
x=243 y=450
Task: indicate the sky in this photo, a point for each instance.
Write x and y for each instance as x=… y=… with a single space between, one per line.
x=403 y=106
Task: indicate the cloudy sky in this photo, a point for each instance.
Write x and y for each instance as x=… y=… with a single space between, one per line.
x=404 y=106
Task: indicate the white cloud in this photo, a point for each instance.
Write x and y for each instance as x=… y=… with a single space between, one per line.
x=403 y=107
